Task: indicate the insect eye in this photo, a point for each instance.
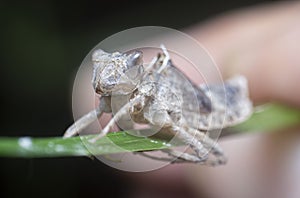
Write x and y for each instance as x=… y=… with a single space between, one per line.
x=135 y=58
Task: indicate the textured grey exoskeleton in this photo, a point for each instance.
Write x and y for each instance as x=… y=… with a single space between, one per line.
x=158 y=96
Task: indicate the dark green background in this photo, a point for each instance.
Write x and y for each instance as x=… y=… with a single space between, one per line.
x=42 y=43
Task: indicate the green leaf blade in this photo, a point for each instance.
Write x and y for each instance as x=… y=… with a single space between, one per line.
x=269 y=118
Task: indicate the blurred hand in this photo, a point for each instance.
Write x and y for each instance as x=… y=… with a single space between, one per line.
x=263 y=43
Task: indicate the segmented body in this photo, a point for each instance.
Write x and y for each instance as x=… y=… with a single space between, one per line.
x=161 y=95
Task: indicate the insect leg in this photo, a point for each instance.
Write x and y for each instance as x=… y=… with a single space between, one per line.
x=201 y=153
x=165 y=60
x=175 y=156
x=216 y=150
x=145 y=154
x=89 y=118
x=199 y=143
x=83 y=122
x=117 y=116
x=179 y=157
x=156 y=60
x=151 y=64
x=195 y=144
x=207 y=141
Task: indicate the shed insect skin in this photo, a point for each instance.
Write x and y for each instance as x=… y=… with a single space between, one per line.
x=159 y=97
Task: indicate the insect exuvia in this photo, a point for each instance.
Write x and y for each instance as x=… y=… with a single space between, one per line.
x=159 y=97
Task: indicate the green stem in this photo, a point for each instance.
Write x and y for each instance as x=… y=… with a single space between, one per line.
x=269 y=118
